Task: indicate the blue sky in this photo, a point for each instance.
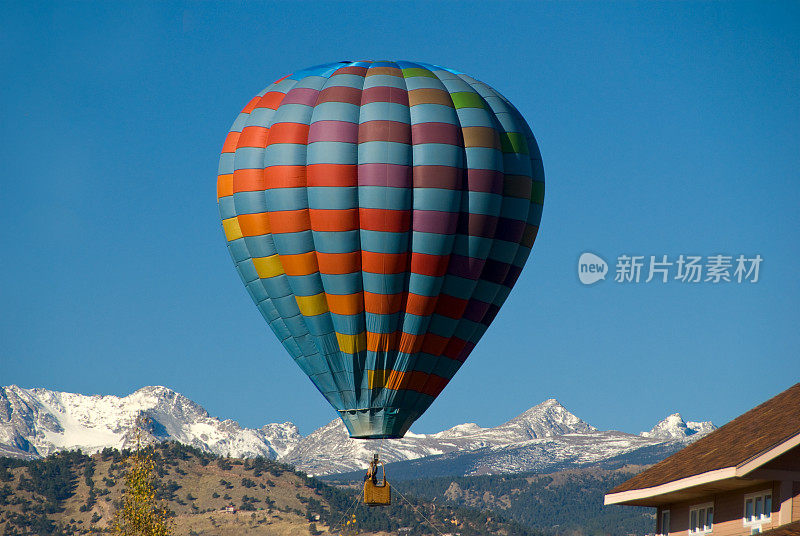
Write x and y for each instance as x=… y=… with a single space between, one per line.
x=665 y=129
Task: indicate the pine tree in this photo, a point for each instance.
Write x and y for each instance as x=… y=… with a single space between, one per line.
x=140 y=514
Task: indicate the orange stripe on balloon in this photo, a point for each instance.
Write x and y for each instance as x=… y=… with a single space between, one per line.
x=432 y=265
x=332 y=175
x=435 y=385
x=253 y=137
x=289 y=221
x=434 y=344
x=376 y=219
x=383 y=304
x=224 y=185
x=288 y=133
x=410 y=344
x=339 y=263
x=384 y=263
x=254 y=224
x=230 y=142
x=285 y=176
x=250 y=105
x=248 y=180
x=414 y=380
x=300 y=264
x=271 y=100
x=347 y=304
x=334 y=220
x=382 y=342
x=417 y=304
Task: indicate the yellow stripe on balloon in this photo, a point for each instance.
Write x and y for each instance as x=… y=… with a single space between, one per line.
x=232 y=229
x=268 y=266
x=376 y=379
x=312 y=305
x=352 y=344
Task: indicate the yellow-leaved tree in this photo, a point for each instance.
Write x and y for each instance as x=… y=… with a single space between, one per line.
x=140 y=514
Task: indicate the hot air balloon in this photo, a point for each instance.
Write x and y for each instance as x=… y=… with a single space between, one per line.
x=379 y=214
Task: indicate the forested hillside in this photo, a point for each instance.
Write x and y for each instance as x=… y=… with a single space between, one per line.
x=563 y=503
x=71 y=493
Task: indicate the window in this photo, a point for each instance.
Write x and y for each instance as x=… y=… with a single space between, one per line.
x=664 y=523
x=758 y=507
x=701 y=518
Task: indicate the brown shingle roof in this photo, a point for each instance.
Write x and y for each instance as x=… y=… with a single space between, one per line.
x=792 y=529
x=742 y=439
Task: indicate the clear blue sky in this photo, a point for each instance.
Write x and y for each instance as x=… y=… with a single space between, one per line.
x=665 y=128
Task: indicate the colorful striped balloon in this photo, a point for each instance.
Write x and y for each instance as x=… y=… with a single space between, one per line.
x=379 y=214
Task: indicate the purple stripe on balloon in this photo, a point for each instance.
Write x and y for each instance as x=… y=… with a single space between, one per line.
x=495 y=271
x=345 y=94
x=466 y=267
x=476 y=310
x=477 y=225
x=384 y=94
x=444 y=177
x=512 y=276
x=464 y=353
x=395 y=175
x=510 y=230
x=436 y=133
x=490 y=315
x=356 y=70
x=384 y=131
x=333 y=131
x=433 y=221
x=301 y=95
x=485 y=180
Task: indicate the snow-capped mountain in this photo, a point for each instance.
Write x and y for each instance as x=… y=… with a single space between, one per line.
x=674 y=428
x=330 y=450
x=37 y=422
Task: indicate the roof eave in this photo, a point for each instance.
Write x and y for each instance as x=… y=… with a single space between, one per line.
x=767 y=456
x=636 y=496
x=650 y=496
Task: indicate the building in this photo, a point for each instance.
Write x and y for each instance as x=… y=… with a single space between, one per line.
x=741 y=479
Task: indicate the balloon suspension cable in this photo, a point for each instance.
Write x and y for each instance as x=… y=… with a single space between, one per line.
x=344 y=515
x=380 y=445
x=418 y=511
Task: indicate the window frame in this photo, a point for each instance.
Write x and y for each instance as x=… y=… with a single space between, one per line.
x=763 y=494
x=666 y=512
x=697 y=508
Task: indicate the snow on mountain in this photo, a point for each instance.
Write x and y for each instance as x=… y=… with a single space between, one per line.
x=702 y=428
x=37 y=422
x=330 y=450
x=281 y=438
x=547 y=419
x=674 y=428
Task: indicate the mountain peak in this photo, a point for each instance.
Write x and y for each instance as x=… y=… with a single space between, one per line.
x=674 y=427
x=547 y=419
x=158 y=390
x=36 y=422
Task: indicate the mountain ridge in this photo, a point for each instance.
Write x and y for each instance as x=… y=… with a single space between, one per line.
x=37 y=422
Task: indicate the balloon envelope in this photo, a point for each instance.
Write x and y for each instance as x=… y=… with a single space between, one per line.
x=379 y=214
